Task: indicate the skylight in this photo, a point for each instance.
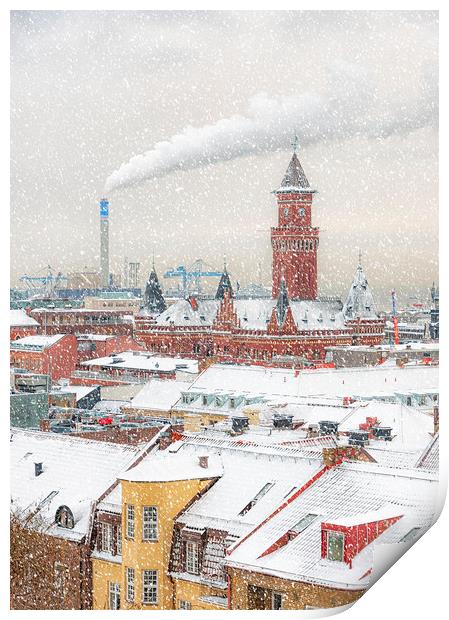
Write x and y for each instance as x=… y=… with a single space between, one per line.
x=47 y=499
x=410 y=535
x=303 y=523
x=263 y=491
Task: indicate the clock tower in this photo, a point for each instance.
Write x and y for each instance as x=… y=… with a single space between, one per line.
x=294 y=240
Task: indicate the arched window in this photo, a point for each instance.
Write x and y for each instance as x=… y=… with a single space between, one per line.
x=64 y=517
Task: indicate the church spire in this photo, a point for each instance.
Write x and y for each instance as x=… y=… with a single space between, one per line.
x=154 y=302
x=224 y=284
x=295 y=180
x=360 y=301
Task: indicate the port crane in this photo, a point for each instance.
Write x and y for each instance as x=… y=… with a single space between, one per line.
x=191 y=276
x=45 y=283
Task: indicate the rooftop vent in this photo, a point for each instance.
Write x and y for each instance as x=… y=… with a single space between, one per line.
x=239 y=423
x=328 y=427
x=382 y=432
x=38 y=469
x=282 y=420
x=204 y=461
x=358 y=438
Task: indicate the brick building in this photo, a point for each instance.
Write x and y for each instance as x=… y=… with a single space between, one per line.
x=83 y=321
x=294 y=324
x=21 y=324
x=103 y=345
x=54 y=355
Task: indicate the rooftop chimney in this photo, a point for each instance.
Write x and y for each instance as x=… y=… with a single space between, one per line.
x=204 y=461
x=44 y=425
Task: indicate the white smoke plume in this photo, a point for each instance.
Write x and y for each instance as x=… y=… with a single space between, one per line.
x=348 y=105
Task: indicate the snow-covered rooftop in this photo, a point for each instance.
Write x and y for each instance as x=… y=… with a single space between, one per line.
x=19 y=318
x=255 y=314
x=245 y=475
x=326 y=382
x=165 y=466
x=38 y=342
x=76 y=472
x=143 y=360
x=343 y=494
x=159 y=394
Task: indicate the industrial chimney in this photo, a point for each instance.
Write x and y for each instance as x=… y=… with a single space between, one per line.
x=104 y=242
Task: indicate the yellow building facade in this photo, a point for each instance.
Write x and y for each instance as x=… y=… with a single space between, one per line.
x=140 y=576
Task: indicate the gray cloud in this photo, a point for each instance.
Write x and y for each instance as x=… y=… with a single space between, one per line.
x=92 y=89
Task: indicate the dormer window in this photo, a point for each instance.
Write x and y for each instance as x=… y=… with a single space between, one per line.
x=64 y=517
x=335 y=546
x=204 y=401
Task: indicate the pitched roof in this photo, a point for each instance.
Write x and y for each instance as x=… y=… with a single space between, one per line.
x=295 y=179
x=255 y=314
x=153 y=300
x=76 y=471
x=347 y=492
x=224 y=285
x=19 y=318
x=360 y=301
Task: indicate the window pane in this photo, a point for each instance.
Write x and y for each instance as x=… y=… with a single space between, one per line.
x=335 y=546
x=149 y=586
x=130 y=521
x=130 y=584
x=149 y=527
x=114 y=595
x=119 y=540
x=277 y=600
x=192 y=564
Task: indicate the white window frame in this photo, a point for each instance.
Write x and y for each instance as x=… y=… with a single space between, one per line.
x=107 y=537
x=149 y=523
x=340 y=535
x=192 y=557
x=130 y=588
x=114 y=595
x=130 y=521
x=149 y=587
x=119 y=540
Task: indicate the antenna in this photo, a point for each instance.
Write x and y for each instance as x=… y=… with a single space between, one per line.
x=295 y=143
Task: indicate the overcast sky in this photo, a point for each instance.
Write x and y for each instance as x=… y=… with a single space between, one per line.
x=205 y=104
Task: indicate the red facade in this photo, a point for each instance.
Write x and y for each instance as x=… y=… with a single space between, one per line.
x=57 y=360
x=295 y=243
x=227 y=336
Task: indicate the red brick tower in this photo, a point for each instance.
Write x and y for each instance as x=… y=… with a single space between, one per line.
x=294 y=240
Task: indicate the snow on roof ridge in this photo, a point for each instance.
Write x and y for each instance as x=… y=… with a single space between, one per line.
x=68 y=437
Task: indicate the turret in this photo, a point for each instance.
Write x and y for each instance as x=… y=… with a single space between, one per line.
x=154 y=302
